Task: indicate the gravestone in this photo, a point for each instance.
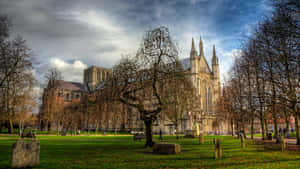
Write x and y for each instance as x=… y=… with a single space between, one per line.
x=217 y=148
x=201 y=138
x=25 y=154
x=166 y=148
x=243 y=145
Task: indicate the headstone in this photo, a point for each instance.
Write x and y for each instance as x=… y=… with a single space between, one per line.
x=25 y=154
x=217 y=148
x=243 y=145
x=282 y=144
x=201 y=138
x=166 y=148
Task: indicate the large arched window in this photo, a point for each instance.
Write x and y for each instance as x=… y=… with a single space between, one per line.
x=209 y=100
x=204 y=96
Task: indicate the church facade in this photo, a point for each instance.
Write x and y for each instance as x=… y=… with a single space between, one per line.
x=206 y=80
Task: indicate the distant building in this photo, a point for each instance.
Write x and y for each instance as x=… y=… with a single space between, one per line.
x=64 y=92
x=94 y=75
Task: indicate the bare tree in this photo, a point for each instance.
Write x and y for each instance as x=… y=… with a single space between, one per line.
x=139 y=81
x=271 y=64
x=16 y=73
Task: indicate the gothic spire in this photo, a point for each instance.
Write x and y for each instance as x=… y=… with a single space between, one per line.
x=193 y=52
x=193 y=45
x=201 y=47
x=214 y=58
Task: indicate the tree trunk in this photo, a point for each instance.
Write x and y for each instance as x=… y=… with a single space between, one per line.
x=252 y=127
x=177 y=129
x=297 y=129
x=237 y=128
x=149 y=141
x=244 y=131
x=88 y=125
x=266 y=126
x=275 y=128
x=96 y=130
x=20 y=128
x=287 y=122
x=232 y=129
x=57 y=129
x=262 y=126
x=11 y=126
x=49 y=127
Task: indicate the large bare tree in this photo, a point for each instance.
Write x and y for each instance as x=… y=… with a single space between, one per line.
x=15 y=71
x=140 y=80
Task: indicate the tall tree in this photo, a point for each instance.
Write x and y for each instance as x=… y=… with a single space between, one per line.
x=15 y=70
x=140 y=80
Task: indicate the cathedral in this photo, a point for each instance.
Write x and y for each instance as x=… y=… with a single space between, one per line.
x=205 y=79
x=203 y=119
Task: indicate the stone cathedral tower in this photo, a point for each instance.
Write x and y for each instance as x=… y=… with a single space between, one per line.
x=206 y=79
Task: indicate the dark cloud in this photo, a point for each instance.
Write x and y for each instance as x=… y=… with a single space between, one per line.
x=74 y=34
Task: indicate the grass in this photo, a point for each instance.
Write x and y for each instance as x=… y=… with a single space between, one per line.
x=123 y=152
x=53 y=132
x=292 y=135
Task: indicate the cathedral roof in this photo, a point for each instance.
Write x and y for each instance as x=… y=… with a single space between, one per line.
x=186 y=64
x=73 y=86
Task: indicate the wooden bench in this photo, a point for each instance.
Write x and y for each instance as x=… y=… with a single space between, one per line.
x=28 y=135
x=63 y=133
x=138 y=137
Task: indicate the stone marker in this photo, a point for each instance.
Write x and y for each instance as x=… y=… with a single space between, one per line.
x=201 y=138
x=243 y=145
x=166 y=148
x=282 y=144
x=217 y=148
x=25 y=154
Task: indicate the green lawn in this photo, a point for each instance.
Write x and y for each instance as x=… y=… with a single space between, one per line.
x=122 y=152
x=53 y=132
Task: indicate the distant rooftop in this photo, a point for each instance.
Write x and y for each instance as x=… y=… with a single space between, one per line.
x=74 y=86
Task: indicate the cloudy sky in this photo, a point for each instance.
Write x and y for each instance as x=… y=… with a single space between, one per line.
x=75 y=34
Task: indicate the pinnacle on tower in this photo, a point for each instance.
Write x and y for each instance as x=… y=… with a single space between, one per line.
x=214 y=58
x=193 y=52
x=201 y=47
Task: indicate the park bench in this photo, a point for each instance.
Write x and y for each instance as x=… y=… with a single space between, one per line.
x=269 y=136
x=63 y=133
x=28 y=135
x=138 y=137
